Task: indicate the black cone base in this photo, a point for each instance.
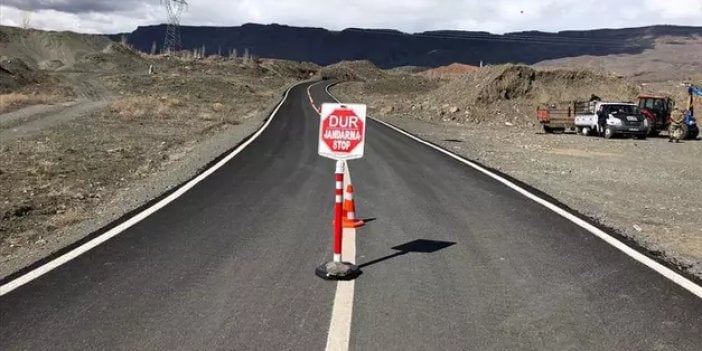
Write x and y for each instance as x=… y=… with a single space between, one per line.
x=338 y=271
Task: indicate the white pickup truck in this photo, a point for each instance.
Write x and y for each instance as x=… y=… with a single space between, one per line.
x=621 y=119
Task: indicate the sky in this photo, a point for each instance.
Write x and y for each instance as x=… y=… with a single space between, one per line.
x=496 y=16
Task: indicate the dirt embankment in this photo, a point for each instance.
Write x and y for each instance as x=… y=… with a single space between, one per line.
x=21 y=85
x=643 y=189
x=34 y=64
x=492 y=95
x=361 y=70
x=451 y=70
x=52 y=51
x=78 y=170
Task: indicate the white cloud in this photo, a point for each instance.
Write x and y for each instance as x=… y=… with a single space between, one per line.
x=90 y=22
x=497 y=16
x=676 y=9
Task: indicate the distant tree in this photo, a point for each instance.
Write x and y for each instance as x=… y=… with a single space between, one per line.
x=233 y=53
x=202 y=51
x=246 y=55
x=153 y=48
x=26 y=20
x=124 y=40
x=219 y=51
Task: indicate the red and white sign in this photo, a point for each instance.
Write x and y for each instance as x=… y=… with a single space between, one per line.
x=342 y=131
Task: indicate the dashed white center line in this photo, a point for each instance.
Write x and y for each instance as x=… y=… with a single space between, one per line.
x=342 y=311
x=340 y=325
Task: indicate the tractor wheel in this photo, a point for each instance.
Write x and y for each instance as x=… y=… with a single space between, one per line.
x=652 y=130
x=547 y=129
x=586 y=131
x=685 y=132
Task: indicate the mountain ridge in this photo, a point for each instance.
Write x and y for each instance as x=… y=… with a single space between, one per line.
x=390 y=48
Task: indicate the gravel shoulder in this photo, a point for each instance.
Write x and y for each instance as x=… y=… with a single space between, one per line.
x=27 y=121
x=645 y=190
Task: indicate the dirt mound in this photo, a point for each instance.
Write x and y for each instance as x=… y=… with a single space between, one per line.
x=302 y=70
x=487 y=85
x=64 y=50
x=114 y=56
x=516 y=82
x=352 y=70
x=513 y=92
x=560 y=86
x=216 y=65
x=512 y=82
x=495 y=94
x=450 y=70
x=407 y=70
x=14 y=73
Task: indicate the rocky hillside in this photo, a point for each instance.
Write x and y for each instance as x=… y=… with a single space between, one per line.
x=389 y=48
x=670 y=58
x=50 y=50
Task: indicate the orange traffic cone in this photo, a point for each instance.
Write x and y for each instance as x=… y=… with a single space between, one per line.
x=349 y=210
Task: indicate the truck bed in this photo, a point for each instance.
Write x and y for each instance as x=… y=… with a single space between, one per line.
x=556 y=118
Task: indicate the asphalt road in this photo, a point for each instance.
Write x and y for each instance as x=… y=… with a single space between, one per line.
x=453 y=260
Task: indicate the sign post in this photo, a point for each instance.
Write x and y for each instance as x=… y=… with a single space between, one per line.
x=338 y=210
x=342 y=131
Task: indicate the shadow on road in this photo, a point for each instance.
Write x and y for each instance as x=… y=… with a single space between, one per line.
x=419 y=246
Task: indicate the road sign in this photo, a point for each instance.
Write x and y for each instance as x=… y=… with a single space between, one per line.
x=342 y=131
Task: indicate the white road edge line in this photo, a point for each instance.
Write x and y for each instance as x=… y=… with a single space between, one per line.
x=677 y=278
x=49 y=266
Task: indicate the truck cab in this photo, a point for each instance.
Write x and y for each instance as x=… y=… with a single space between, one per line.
x=620 y=118
x=657 y=110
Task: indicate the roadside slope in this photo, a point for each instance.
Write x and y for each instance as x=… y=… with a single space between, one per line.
x=130 y=138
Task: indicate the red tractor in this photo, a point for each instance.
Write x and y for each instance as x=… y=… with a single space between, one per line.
x=657 y=110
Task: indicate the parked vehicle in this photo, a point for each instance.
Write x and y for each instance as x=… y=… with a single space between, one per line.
x=619 y=119
x=556 y=120
x=689 y=122
x=657 y=110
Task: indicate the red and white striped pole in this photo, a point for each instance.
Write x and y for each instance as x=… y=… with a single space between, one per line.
x=337 y=269
x=338 y=209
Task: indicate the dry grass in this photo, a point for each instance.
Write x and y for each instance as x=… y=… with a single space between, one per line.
x=145 y=107
x=13 y=101
x=134 y=107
